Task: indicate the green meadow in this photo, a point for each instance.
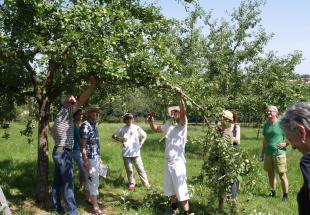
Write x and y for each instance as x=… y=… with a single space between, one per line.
x=18 y=177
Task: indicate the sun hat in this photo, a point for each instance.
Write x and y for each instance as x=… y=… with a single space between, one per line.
x=228 y=115
x=173 y=108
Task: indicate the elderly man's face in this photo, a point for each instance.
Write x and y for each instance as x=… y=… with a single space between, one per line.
x=271 y=113
x=175 y=114
x=296 y=141
x=93 y=115
x=292 y=137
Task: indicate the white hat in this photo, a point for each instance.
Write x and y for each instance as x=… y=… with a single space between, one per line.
x=173 y=108
x=228 y=115
x=128 y=116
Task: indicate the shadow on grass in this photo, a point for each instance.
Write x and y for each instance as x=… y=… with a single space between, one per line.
x=18 y=181
x=115 y=181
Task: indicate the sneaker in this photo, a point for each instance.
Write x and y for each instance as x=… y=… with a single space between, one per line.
x=131 y=187
x=272 y=193
x=170 y=211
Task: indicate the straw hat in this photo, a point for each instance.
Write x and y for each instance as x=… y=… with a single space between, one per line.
x=228 y=115
x=173 y=108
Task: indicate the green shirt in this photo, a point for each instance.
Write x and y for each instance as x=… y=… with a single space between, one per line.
x=274 y=135
x=76 y=132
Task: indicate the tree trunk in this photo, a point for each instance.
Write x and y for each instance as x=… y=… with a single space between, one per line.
x=42 y=171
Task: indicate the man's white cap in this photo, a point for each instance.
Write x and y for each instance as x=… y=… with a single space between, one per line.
x=272 y=108
x=128 y=116
x=228 y=115
x=173 y=108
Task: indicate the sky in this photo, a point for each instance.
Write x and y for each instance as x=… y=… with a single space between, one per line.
x=289 y=20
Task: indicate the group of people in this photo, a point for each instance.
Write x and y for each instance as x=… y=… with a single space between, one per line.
x=292 y=128
x=76 y=140
x=79 y=141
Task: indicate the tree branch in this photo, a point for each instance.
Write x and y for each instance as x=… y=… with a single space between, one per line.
x=53 y=67
x=35 y=82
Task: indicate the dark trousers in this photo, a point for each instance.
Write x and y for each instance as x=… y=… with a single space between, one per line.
x=303 y=201
x=63 y=178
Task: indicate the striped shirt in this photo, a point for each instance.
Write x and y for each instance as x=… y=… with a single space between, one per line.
x=64 y=128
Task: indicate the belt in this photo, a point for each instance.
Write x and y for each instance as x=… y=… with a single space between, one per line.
x=61 y=149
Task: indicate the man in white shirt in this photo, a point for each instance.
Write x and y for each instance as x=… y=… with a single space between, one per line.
x=175 y=185
x=132 y=137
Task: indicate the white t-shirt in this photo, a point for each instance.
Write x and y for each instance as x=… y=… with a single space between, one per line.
x=176 y=136
x=131 y=135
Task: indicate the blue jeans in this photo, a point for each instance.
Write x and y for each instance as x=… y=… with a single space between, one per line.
x=77 y=157
x=63 y=177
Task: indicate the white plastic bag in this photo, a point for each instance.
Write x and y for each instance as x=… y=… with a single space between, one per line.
x=103 y=169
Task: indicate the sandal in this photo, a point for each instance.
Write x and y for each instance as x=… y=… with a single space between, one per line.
x=97 y=211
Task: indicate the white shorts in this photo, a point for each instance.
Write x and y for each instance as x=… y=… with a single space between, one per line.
x=92 y=177
x=175 y=180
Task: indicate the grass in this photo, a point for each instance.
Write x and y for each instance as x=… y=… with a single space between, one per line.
x=18 y=177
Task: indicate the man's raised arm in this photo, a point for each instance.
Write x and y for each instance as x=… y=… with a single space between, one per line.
x=85 y=95
x=183 y=117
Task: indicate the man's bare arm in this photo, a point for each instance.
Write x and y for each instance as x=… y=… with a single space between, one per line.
x=85 y=95
x=154 y=127
x=183 y=117
x=84 y=154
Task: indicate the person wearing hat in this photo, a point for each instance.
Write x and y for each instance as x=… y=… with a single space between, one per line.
x=64 y=141
x=226 y=129
x=274 y=152
x=175 y=185
x=132 y=137
x=226 y=123
x=90 y=149
x=235 y=128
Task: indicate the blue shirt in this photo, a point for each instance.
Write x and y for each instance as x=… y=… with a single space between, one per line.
x=89 y=132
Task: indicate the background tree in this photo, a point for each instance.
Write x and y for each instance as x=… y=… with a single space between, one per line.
x=224 y=63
